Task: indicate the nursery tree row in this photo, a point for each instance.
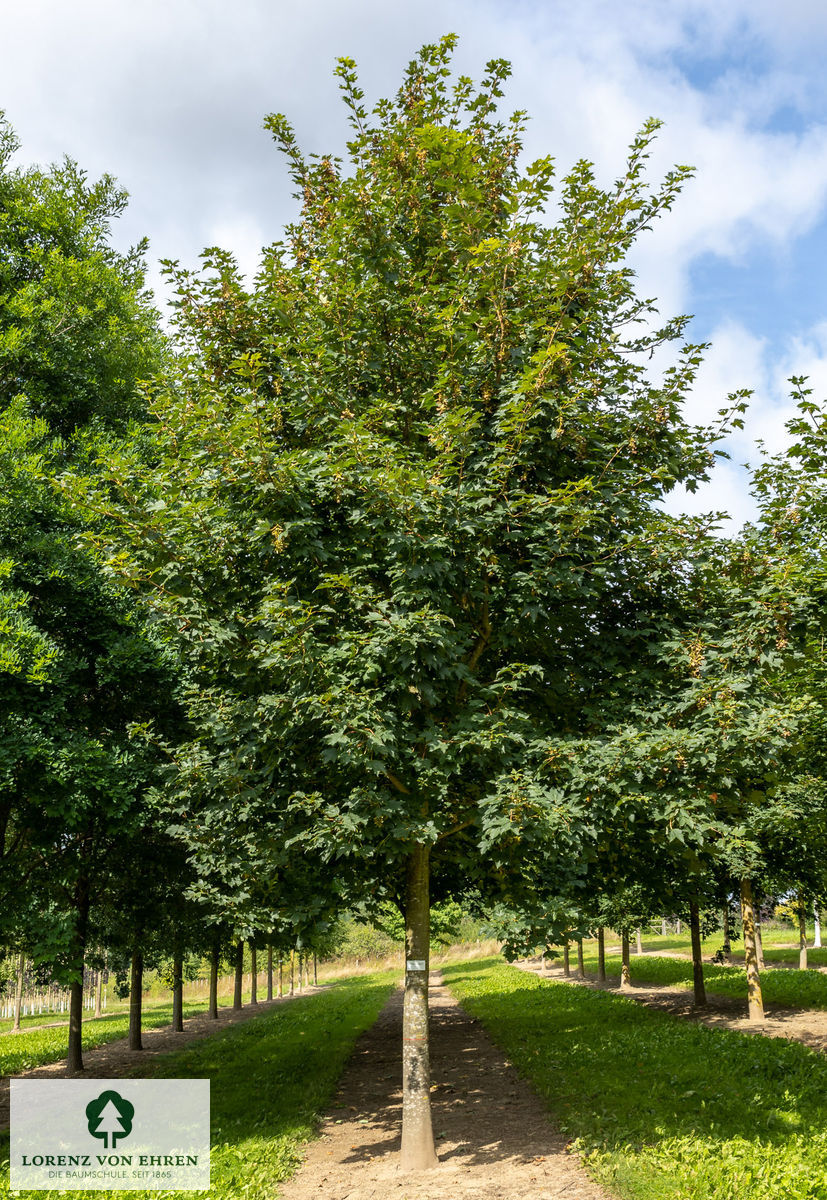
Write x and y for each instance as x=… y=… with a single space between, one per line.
x=358 y=586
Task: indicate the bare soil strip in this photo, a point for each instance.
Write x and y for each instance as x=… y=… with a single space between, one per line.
x=807 y=1025
x=495 y=1138
x=115 y=1059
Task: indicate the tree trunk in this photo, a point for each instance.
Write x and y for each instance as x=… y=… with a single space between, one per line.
x=677 y=928
x=212 y=1009
x=566 y=960
x=759 y=941
x=418 y=1152
x=136 y=989
x=269 y=972
x=802 y=934
x=99 y=994
x=315 y=970
x=756 y=1000
x=817 y=937
x=239 y=975
x=74 y=1049
x=697 y=961
x=638 y=942
x=281 y=977
x=177 y=991
x=292 y=972
x=581 y=966
x=301 y=961
x=601 y=955
x=18 y=991
x=254 y=975
x=727 y=947
x=625 y=974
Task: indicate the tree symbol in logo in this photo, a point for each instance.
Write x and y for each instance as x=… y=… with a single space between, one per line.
x=110 y=1116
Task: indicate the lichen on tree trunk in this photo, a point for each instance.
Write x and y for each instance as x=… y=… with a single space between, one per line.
x=699 y=991
x=756 y=1000
x=418 y=1152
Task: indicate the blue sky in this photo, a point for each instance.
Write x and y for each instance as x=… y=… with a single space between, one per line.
x=169 y=96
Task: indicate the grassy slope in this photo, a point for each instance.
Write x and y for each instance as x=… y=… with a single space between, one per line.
x=271 y=1077
x=664 y=1109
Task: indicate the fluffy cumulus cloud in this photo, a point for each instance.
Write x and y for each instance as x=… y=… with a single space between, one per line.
x=169 y=95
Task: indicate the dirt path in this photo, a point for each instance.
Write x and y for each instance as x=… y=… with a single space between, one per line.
x=115 y=1059
x=495 y=1138
x=807 y=1025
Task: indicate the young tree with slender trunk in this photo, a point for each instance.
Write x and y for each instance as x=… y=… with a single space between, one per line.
x=136 y=993
x=625 y=973
x=238 y=984
x=755 y=997
x=698 y=989
x=436 y=459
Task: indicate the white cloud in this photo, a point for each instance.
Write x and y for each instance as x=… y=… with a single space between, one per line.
x=170 y=95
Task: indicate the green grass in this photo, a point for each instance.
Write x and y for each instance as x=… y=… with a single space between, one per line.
x=21 y=1051
x=270 y=1079
x=663 y=1109
x=798 y=989
x=772 y=940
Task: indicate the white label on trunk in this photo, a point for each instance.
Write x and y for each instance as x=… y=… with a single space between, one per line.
x=416 y=964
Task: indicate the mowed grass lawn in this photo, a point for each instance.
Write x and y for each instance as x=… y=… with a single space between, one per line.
x=31 y=1048
x=798 y=989
x=271 y=1077
x=662 y=1108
